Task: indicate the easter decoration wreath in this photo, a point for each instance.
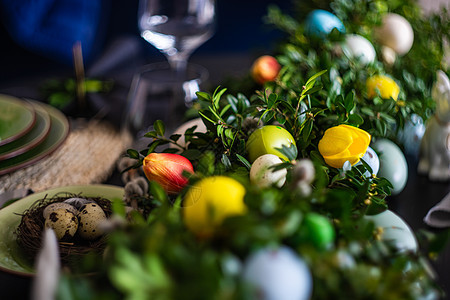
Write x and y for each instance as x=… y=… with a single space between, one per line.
x=274 y=194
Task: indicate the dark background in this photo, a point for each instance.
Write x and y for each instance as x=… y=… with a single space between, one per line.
x=240 y=30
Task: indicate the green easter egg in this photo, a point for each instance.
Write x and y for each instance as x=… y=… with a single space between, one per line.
x=317 y=230
x=266 y=140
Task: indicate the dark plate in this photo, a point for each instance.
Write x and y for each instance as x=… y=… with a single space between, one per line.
x=17 y=117
x=58 y=133
x=33 y=138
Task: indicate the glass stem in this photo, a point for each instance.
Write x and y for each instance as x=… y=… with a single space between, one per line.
x=178 y=63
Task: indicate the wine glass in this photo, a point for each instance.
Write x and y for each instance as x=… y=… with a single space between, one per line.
x=157 y=93
x=176 y=27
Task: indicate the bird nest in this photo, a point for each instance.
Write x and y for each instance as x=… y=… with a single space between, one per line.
x=29 y=232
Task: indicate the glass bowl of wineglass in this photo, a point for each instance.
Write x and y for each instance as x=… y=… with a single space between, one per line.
x=157 y=93
x=176 y=27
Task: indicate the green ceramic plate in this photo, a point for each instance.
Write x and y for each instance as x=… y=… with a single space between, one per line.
x=58 y=133
x=17 y=117
x=34 y=137
x=12 y=260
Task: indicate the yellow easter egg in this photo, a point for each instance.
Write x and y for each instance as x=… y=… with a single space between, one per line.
x=385 y=85
x=210 y=201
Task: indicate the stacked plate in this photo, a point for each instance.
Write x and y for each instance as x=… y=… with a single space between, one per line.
x=29 y=131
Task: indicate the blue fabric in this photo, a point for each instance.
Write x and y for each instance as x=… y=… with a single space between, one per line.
x=52 y=27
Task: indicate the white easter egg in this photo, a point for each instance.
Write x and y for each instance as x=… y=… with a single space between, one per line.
x=262 y=174
x=183 y=127
x=371 y=158
x=389 y=56
x=393 y=165
x=274 y=274
x=395 y=230
x=358 y=47
x=395 y=32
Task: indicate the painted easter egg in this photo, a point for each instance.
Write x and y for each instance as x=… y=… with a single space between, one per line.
x=266 y=140
x=395 y=230
x=320 y=23
x=265 y=68
x=393 y=165
x=396 y=33
x=371 y=158
x=279 y=273
x=210 y=201
x=358 y=48
x=386 y=86
x=411 y=135
x=318 y=230
x=185 y=126
x=262 y=173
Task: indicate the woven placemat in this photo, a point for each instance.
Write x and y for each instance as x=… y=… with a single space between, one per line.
x=87 y=156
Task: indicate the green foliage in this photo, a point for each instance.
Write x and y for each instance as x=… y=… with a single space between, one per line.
x=355 y=259
x=302 y=56
x=60 y=93
x=154 y=256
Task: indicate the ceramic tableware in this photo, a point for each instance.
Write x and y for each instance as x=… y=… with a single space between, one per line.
x=12 y=259
x=17 y=117
x=30 y=140
x=58 y=133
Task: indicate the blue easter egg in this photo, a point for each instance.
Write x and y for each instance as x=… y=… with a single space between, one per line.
x=320 y=23
x=393 y=165
x=395 y=231
x=411 y=135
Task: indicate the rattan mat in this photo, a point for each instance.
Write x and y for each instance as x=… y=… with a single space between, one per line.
x=87 y=156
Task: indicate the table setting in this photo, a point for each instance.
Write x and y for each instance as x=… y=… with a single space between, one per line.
x=45 y=133
x=321 y=171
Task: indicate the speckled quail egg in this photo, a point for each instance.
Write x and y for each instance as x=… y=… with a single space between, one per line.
x=90 y=216
x=58 y=205
x=63 y=222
